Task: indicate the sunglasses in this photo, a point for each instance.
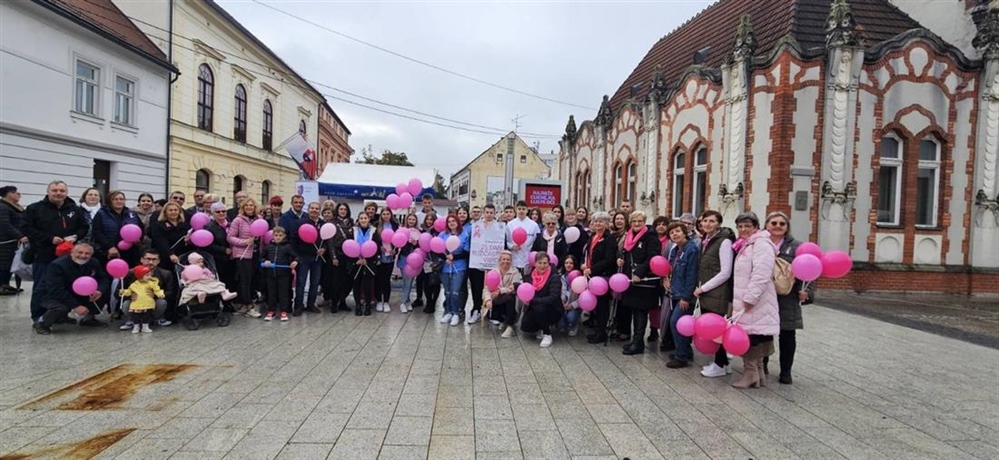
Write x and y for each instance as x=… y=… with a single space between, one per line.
x=177 y=198
x=778 y=224
x=219 y=212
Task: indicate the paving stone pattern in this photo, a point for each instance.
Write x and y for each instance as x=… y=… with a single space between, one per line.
x=396 y=386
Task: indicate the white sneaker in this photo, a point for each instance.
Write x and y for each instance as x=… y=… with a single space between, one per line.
x=403 y=307
x=573 y=331
x=386 y=307
x=145 y=328
x=714 y=370
x=455 y=320
x=546 y=341
x=509 y=332
x=446 y=318
x=136 y=328
x=253 y=312
x=378 y=306
x=495 y=322
x=474 y=317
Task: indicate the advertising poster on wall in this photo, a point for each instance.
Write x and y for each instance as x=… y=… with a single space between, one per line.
x=542 y=195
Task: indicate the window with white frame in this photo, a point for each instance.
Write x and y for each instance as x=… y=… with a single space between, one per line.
x=678 y=171
x=700 y=180
x=124 y=101
x=265 y=192
x=268 y=136
x=87 y=89
x=928 y=183
x=632 y=181
x=206 y=97
x=239 y=122
x=890 y=181
x=618 y=183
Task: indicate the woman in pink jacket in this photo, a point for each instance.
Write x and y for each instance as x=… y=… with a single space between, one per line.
x=242 y=243
x=755 y=297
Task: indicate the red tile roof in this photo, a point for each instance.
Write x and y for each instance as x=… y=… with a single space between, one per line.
x=103 y=17
x=804 y=21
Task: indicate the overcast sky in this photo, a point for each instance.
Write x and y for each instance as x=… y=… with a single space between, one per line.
x=574 y=52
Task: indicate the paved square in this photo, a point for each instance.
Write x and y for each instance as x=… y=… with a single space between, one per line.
x=404 y=386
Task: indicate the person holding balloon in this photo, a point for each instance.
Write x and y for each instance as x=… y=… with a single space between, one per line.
x=456 y=244
x=576 y=237
x=754 y=300
x=570 y=300
x=542 y=297
x=218 y=226
x=363 y=250
x=520 y=237
x=387 y=226
x=311 y=256
x=714 y=276
x=338 y=264
x=71 y=283
x=116 y=231
x=242 y=243
x=779 y=226
x=550 y=240
x=279 y=259
x=499 y=292
x=431 y=278
x=163 y=308
x=638 y=287
x=600 y=262
x=411 y=258
x=170 y=235
x=684 y=259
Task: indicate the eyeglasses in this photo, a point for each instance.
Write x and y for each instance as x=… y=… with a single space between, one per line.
x=777 y=223
x=551 y=224
x=177 y=198
x=219 y=212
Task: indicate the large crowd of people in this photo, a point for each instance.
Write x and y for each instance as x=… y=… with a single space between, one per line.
x=713 y=269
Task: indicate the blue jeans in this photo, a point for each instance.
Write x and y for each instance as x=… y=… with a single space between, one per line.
x=452 y=290
x=307 y=273
x=682 y=342
x=37 y=272
x=407 y=282
x=570 y=319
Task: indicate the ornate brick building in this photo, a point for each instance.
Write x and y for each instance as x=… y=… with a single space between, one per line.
x=334 y=138
x=876 y=133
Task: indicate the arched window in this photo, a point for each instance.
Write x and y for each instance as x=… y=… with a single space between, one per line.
x=265 y=192
x=202 y=181
x=632 y=181
x=237 y=184
x=928 y=183
x=700 y=180
x=618 y=184
x=206 y=96
x=890 y=181
x=678 y=184
x=268 y=140
x=587 y=186
x=301 y=127
x=239 y=125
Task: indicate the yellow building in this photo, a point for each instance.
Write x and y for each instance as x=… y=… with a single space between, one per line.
x=481 y=181
x=233 y=105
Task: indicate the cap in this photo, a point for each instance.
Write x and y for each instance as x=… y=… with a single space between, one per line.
x=64 y=248
x=141 y=271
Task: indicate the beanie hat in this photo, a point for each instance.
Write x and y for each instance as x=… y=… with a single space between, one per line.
x=194 y=257
x=63 y=248
x=141 y=271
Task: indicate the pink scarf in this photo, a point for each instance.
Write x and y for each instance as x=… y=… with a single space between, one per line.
x=631 y=238
x=737 y=246
x=538 y=279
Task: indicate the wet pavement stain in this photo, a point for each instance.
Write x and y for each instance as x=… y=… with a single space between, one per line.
x=88 y=448
x=110 y=389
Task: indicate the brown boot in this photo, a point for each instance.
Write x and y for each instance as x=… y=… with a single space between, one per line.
x=751 y=371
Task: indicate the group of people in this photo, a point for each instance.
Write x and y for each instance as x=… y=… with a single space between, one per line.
x=713 y=269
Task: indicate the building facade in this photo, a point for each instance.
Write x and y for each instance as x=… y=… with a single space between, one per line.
x=84 y=100
x=334 y=139
x=875 y=134
x=234 y=104
x=481 y=181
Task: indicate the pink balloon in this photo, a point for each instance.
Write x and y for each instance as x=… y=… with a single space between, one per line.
x=710 y=326
x=437 y=245
x=202 y=238
x=532 y=257
x=351 y=249
x=392 y=201
x=519 y=235
x=414 y=259
x=84 y=285
x=268 y=237
x=686 y=325
x=587 y=301
x=130 y=233
x=369 y=249
x=117 y=268
x=452 y=243
x=598 y=286
x=736 y=340
x=705 y=346
x=572 y=277
x=405 y=200
x=199 y=220
x=259 y=228
x=493 y=279
x=410 y=271
x=124 y=245
x=192 y=273
x=425 y=241
x=400 y=239
x=836 y=264
x=387 y=235
x=619 y=282
x=809 y=247
x=806 y=267
x=525 y=292
x=440 y=224
x=307 y=233
x=659 y=265
x=553 y=259
x=327 y=231
x=401 y=188
x=579 y=284
x=414 y=187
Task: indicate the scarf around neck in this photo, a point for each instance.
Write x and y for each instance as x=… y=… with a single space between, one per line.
x=631 y=238
x=538 y=279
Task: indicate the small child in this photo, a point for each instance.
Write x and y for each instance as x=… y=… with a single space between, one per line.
x=278 y=257
x=203 y=285
x=143 y=293
x=570 y=300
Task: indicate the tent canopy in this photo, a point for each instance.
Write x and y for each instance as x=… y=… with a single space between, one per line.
x=363 y=181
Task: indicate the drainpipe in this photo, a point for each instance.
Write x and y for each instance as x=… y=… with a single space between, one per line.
x=173 y=78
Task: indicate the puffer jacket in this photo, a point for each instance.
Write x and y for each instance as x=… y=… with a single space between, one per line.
x=237 y=234
x=754 y=285
x=42 y=221
x=106 y=230
x=279 y=253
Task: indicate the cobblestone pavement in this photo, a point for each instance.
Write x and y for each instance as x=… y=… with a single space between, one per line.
x=404 y=386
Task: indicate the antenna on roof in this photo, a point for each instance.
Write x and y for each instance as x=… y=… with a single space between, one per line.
x=516 y=122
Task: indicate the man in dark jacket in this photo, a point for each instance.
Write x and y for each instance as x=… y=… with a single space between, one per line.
x=311 y=257
x=55 y=288
x=47 y=223
x=293 y=215
x=231 y=214
x=168 y=282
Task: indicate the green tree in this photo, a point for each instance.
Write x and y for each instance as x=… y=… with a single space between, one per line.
x=388 y=157
x=443 y=191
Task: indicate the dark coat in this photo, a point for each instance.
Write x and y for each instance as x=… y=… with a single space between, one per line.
x=10 y=223
x=550 y=295
x=167 y=240
x=307 y=252
x=541 y=245
x=279 y=253
x=578 y=248
x=105 y=232
x=790 y=305
x=604 y=261
x=43 y=221
x=57 y=283
x=643 y=295
x=219 y=240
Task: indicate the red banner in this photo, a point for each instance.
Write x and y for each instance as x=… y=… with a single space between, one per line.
x=542 y=195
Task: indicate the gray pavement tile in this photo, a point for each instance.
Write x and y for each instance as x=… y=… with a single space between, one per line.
x=197 y=455
x=452 y=447
x=152 y=449
x=409 y=431
x=321 y=427
x=358 y=444
x=511 y=455
x=372 y=415
x=496 y=435
x=627 y=440
x=212 y=405
x=416 y=405
x=243 y=416
x=421 y=384
x=978 y=449
x=215 y=440
x=181 y=428
x=303 y=451
x=265 y=441
x=454 y=396
x=493 y=408
x=491 y=385
x=583 y=437
x=542 y=445
x=533 y=417
x=453 y=421
x=403 y=452
x=608 y=413
x=15 y=438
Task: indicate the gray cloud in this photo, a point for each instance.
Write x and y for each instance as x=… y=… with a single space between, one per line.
x=573 y=52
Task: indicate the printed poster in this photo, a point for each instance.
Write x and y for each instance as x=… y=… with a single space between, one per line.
x=486 y=245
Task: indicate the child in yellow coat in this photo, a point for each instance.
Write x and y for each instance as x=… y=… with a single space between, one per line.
x=143 y=294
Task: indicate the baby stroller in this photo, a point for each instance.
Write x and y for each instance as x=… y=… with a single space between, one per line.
x=192 y=313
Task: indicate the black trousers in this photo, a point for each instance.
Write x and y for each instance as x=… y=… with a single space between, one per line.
x=244 y=279
x=721 y=356
x=383 y=282
x=141 y=317
x=55 y=311
x=639 y=323
x=326 y=283
x=421 y=282
x=340 y=284
x=540 y=317
x=623 y=319
x=364 y=287
x=278 y=283
x=505 y=309
x=477 y=279
x=601 y=314
x=787 y=342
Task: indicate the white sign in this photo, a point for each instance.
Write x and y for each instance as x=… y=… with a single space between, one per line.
x=309 y=190
x=486 y=244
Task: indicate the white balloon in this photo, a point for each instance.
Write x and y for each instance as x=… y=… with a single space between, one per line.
x=571 y=235
x=452 y=243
